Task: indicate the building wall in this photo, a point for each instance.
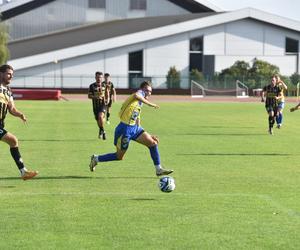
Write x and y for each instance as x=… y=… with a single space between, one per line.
x=227 y=42
x=246 y=40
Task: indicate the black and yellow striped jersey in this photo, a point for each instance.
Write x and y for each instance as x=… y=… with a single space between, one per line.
x=98 y=95
x=5 y=98
x=271 y=92
x=110 y=87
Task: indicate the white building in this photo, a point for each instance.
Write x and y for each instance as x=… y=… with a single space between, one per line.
x=146 y=47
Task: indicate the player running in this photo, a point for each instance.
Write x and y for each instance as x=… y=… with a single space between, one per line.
x=272 y=93
x=129 y=129
x=112 y=95
x=98 y=93
x=7 y=104
x=280 y=100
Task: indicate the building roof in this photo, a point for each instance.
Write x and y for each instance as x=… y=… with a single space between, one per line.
x=91 y=33
x=196 y=6
x=16 y=8
x=105 y=36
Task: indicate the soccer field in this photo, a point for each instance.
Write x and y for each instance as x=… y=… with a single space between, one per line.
x=237 y=187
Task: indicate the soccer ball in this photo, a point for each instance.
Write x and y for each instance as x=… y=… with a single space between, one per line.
x=166 y=184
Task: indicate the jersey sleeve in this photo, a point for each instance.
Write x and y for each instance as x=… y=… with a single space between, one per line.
x=141 y=93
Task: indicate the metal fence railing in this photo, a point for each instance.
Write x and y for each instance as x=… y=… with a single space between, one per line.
x=60 y=81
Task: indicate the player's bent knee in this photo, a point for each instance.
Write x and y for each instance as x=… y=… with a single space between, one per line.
x=153 y=143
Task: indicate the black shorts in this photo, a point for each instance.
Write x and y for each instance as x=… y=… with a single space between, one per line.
x=101 y=109
x=3 y=132
x=270 y=108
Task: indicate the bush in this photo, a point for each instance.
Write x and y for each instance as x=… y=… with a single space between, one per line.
x=197 y=76
x=173 y=78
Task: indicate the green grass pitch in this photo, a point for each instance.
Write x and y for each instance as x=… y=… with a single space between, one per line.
x=237 y=187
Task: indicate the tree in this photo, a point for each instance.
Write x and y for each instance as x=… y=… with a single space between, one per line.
x=238 y=69
x=197 y=76
x=295 y=78
x=4 y=53
x=173 y=78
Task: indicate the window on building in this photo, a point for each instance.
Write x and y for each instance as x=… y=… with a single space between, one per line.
x=138 y=4
x=97 y=4
x=136 y=61
x=196 y=44
x=196 y=54
x=135 y=68
x=291 y=45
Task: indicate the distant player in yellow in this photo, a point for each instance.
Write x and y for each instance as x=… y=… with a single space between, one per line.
x=7 y=104
x=280 y=106
x=129 y=129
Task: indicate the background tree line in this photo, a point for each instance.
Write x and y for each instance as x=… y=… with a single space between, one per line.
x=255 y=76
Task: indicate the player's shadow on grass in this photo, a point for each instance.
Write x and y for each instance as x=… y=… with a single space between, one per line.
x=223 y=134
x=142 y=199
x=57 y=140
x=70 y=177
x=236 y=154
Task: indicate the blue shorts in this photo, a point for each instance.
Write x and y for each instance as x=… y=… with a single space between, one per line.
x=280 y=105
x=124 y=133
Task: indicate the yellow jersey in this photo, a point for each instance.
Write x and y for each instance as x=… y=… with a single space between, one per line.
x=281 y=99
x=131 y=109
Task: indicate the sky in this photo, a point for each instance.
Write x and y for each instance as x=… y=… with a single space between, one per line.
x=285 y=8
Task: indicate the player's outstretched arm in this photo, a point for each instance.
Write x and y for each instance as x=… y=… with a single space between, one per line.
x=144 y=100
x=13 y=111
x=263 y=96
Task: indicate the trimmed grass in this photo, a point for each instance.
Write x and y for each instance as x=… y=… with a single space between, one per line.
x=237 y=187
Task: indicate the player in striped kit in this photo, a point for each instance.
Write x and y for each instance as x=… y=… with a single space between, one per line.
x=7 y=104
x=99 y=95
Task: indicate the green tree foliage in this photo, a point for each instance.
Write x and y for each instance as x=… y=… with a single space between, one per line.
x=295 y=78
x=197 y=76
x=173 y=78
x=239 y=68
x=255 y=76
x=4 y=53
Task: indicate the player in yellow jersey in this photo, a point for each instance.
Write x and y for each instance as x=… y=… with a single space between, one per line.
x=129 y=129
x=282 y=86
x=7 y=104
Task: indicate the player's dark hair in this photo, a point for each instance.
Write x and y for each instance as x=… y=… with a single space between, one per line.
x=98 y=73
x=106 y=74
x=144 y=84
x=5 y=67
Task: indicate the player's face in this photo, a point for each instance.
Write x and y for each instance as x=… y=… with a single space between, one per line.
x=148 y=91
x=274 y=81
x=99 y=78
x=7 y=76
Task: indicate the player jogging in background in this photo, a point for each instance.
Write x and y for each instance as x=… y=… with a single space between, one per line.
x=112 y=95
x=271 y=93
x=7 y=104
x=283 y=87
x=98 y=93
x=129 y=129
